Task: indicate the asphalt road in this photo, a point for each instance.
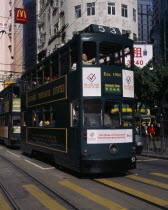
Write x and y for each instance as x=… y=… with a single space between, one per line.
x=27 y=183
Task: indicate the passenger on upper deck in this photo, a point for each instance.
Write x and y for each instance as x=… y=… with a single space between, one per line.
x=85 y=60
x=15 y=95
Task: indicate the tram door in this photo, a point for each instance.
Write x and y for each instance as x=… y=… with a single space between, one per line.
x=74 y=132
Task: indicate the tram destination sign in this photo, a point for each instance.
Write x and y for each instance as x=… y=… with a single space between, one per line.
x=102 y=29
x=112 y=82
x=50 y=92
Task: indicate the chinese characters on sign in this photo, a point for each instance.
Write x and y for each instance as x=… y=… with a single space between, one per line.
x=142 y=55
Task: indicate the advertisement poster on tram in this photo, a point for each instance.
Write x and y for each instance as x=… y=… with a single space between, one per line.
x=109 y=136
x=128 y=83
x=143 y=53
x=91 y=81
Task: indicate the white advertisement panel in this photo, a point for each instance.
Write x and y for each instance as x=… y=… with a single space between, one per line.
x=128 y=83
x=143 y=53
x=91 y=81
x=109 y=136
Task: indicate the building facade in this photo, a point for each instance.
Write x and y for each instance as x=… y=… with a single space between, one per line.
x=11 y=59
x=29 y=35
x=160 y=29
x=58 y=20
x=145 y=15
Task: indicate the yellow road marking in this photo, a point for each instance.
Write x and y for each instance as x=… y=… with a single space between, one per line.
x=86 y=193
x=148 y=181
x=3 y=203
x=162 y=175
x=133 y=192
x=47 y=201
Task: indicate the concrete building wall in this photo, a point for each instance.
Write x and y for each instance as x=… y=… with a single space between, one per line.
x=11 y=59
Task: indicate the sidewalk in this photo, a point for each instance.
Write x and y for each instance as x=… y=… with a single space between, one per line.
x=155 y=155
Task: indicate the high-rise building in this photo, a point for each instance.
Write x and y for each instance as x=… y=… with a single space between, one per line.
x=156 y=27
x=160 y=29
x=145 y=14
x=11 y=59
x=29 y=35
x=58 y=20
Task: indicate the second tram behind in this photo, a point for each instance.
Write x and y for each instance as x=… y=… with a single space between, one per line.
x=10 y=115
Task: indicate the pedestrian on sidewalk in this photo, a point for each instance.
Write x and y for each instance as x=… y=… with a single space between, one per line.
x=145 y=137
x=151 y=132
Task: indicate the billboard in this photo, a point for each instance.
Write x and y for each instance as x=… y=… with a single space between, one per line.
x=128 y=83
x=143 y=53
x=21 y=15
x=91 y=81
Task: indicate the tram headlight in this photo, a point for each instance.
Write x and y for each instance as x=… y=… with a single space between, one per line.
x=113 y=148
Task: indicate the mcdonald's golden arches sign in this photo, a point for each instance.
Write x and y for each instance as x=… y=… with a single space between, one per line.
x=21 y=15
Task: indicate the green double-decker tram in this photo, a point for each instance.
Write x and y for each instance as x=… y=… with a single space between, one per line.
x=10 y=115
x=72 y=103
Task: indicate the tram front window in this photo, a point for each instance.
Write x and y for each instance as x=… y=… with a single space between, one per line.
x=127 y=113
x=92 y=113
x=112 y=114
x=110 y=54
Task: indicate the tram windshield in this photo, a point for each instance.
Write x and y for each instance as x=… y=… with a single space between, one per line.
x=112 y=114
x=92 y=113
x=110 y=53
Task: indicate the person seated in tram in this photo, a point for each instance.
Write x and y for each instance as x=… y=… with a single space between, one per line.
x=47 y=79
x=85 y=60
x=15 y=95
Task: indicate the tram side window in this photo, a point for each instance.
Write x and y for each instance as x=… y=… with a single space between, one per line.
x=47 y=74
x=28 y=82
x=55 y=68
x=39 y=78
x=128 y=56
x=34 y=79
x=16 y=92
x=47 y=115
x=89 y=53
x=110 y=54
x=73 y=56
x=74 y=113
x=112 y=113
x=39 y=117
x=127 y=113
x=92 y=113
x=53 y=118
x=64 y=61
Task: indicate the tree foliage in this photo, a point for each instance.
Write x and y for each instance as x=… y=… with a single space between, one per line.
x=150 y=85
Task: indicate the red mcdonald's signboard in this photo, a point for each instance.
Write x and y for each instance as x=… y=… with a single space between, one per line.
x=21 y=15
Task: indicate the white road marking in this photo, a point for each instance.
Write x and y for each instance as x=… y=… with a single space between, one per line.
x=147 y=160
x=38 y=165
x=1 y=148
x=12 y=153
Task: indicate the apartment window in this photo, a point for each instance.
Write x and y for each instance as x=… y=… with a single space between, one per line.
x=111 y=8
x=124 y=10
x=90 y=9
x=134 y=15
x=77 y=11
